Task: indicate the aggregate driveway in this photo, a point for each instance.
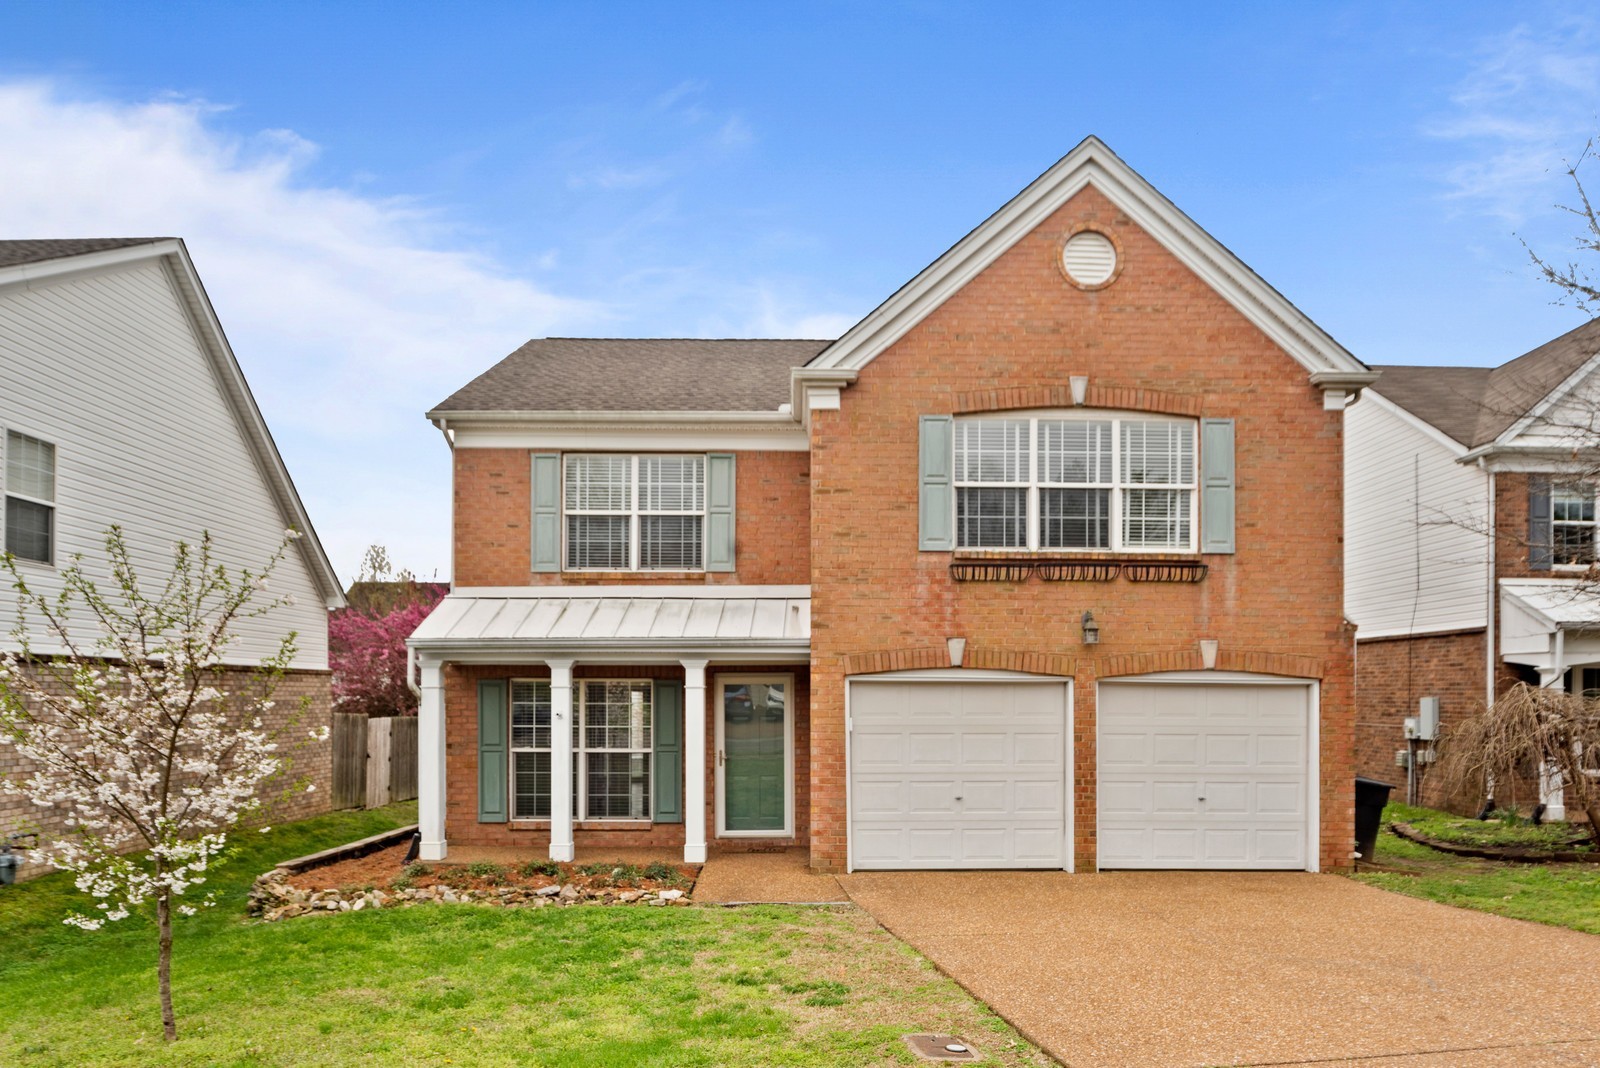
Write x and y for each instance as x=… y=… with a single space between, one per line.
x=1152 y=969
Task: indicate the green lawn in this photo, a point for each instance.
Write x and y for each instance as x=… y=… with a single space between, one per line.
x=470 y=985
x=1564 y=895
x=1506 y=830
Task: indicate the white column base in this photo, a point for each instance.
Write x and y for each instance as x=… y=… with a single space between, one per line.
x=563 y=854
x=432 y=851
x=694 y=854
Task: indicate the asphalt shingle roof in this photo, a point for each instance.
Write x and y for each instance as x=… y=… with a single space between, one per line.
x=575 y=374
x=13 y=253
x=1475 y=405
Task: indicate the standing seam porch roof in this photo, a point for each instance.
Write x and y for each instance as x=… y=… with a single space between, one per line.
x=668 y=617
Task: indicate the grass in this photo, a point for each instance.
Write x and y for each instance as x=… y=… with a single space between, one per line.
x=1562 y=895
x=470 y=985
x=1502 y=830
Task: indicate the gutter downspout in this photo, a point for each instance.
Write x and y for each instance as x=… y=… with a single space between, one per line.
x=1494 y=600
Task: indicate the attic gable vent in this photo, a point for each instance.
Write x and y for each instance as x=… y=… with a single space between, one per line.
x=1089 y=259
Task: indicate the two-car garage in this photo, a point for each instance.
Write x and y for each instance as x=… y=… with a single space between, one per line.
x=966 y=769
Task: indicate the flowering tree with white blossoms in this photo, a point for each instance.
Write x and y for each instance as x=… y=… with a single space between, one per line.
x=134 y=736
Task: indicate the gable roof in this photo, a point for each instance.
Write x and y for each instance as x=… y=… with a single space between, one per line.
x=39 y=250
x=43 y=259
x=1092 y=163
x=1478 y=405
x=577 y=374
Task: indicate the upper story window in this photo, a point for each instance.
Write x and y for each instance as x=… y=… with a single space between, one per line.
x=30 y=491
x=1572 y=525
x=1059 y=483
x=635 y=513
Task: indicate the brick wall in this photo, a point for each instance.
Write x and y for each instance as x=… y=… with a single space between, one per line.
x=461 y=764
x=493 y=511
x=303 y=704
x=1392 y=674
x=1020 y=327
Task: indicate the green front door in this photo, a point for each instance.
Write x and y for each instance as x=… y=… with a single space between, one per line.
x=755 y=757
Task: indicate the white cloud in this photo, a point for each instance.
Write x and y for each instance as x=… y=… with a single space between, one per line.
x=1527 y=104
x=350 y=314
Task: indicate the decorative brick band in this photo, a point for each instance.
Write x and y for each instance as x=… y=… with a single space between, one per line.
x=922 y=658
x=1060 y=396
x=1256 y=662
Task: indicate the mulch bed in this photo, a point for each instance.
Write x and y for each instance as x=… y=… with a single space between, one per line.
x=1520 y=854
x=380 y=869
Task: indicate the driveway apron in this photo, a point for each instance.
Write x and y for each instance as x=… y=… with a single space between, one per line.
x=1249 y=968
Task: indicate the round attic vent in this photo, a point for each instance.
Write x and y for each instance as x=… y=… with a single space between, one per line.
x=1089 y=259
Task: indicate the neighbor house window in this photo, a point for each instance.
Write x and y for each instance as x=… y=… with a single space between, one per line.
x=635 y=513
x=1572 y=525
x=1075 y=484
x=30 y=489
x=611 y=745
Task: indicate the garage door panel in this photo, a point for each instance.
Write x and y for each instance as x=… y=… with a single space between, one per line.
x=979 y=779
x=1202 y=775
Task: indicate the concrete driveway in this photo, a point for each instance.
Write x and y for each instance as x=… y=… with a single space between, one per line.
x=1210 y=968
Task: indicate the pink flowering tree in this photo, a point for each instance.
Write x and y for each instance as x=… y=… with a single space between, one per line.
x=135 y=732
x=367 y=639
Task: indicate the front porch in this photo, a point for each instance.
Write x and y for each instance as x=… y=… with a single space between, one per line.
x=687 y=710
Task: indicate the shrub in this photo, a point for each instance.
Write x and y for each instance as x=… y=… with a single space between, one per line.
x=548 y=868
x=415 y=869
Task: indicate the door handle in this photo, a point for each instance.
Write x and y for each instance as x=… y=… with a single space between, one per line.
x=719 y=758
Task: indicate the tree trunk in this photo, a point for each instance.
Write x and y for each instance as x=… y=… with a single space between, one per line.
x=1592 y=810
x=169 y=1022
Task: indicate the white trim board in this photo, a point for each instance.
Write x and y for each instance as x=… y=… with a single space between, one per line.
x=1093 y=163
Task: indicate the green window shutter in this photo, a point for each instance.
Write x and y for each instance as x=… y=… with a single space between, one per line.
x=719 y=511
x=493 y=725
x=1540 y=530
x=547 y=511
x=936 y=501
x=1216 y=486
x=667 y=723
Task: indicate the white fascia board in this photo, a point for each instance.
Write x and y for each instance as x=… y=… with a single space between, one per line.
x=1459 y=627
x=733 y=431
x=252 y=425
x=64 y=268
x=1548 y=401
x=1422 y=426
x=726 y=593
x=1533 y=459
x=1093 y=163
x=587 y=651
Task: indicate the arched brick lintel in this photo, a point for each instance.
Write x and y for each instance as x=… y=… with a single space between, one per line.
x=1253 y=661
x=1128 y=399
x=979 y=658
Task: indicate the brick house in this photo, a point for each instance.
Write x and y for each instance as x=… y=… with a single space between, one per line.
x=121 y=402
x=1006 y=576
x=1468 y=556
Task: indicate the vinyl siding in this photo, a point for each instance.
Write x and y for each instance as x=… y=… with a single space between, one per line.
x=106 y=368
x=1395 y=475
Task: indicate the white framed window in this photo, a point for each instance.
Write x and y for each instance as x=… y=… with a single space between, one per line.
x=30 y=493
x=1074 y=482
x=634 y=513
x=1572 y=523
x=612 y=746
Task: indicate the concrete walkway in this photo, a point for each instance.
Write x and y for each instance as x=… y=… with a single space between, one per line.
x=770 y=878
x=1152 y=969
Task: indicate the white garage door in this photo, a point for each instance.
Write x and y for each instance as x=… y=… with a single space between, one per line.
x=1202 y=775
x=958 y=774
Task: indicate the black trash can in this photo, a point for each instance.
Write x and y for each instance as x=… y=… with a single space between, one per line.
x=1371 y=796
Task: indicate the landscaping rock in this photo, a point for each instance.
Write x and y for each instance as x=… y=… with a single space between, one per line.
x=671 y=895
x=548 y=891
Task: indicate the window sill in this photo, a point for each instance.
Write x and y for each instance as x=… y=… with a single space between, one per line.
x=585 y=825
x=629 y=576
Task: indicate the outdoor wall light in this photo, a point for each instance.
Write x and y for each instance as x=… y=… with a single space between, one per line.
x=1091 y=629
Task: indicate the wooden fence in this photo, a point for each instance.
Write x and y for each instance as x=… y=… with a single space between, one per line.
x=374 y=760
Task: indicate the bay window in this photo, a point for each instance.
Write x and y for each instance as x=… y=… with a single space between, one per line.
x=1075 y=483
x=611 y=744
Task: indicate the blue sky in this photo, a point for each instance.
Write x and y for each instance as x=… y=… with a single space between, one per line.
x=383 y=200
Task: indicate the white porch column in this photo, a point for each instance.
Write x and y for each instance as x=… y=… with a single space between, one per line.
x=431 y=761
x=561 y=713
x=694 y=761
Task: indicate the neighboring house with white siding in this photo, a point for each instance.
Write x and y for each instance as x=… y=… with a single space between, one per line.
x=121 y=403
x=1470 y=537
